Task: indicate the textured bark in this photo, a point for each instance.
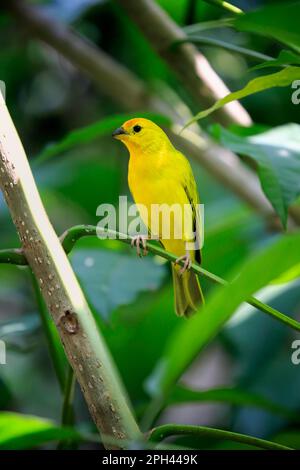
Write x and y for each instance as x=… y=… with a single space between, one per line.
x=83 y=344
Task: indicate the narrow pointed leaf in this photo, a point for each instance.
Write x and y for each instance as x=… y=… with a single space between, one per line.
x=279 y=79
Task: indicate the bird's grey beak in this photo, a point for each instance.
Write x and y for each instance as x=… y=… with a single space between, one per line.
x=119 y=131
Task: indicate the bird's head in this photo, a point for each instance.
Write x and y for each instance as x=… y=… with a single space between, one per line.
x=141 y=135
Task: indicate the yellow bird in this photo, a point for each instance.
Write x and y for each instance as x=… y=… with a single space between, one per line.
x=158 y=174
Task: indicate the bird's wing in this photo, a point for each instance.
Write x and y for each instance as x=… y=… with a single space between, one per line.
x=190 y=188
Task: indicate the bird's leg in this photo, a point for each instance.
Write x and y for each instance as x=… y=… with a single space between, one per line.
x=139 y=240
x=187 y=262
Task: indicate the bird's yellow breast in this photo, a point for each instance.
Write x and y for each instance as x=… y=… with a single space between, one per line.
x=156 y=188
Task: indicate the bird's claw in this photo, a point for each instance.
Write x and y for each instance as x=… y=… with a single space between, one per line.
x=187 y=262
x=137 y=241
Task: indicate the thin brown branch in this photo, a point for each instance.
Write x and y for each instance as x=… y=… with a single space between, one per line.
x=191 y=67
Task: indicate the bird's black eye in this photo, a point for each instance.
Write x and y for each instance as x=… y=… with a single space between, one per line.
x=137 y=128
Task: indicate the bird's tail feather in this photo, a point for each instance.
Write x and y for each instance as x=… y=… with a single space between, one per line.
x=187 y=292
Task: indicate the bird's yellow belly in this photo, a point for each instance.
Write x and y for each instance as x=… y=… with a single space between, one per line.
x=161 y=207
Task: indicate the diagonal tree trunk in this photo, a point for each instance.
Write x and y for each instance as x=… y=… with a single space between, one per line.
x=84 y=346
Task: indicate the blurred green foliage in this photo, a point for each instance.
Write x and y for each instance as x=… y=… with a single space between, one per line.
x=65 y=124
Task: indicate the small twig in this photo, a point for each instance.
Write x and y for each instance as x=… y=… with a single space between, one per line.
x=72 y=235
x=162 y=432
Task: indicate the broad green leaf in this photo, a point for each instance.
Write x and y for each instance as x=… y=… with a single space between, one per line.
x=189 y=339
x=284 y=58
x=98 y=129
x=277 y=155
x=113 y=279
x=24 y=432
x=279 y=22
x=231 y=396
x=279 y=79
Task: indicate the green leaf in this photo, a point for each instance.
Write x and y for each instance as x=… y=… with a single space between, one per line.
x=279 y=79
x=231 y=396
x=24 y=432
x=207 y=25
x=284 y=58
x=277 y=155
x=98 y=129
x=113 y=279
x=189 y=339
x=288 y=276
x=209 y=41
x=279 y=22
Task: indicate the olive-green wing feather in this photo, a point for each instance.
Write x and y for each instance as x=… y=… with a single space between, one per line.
x=187 y=289
x=190 y=188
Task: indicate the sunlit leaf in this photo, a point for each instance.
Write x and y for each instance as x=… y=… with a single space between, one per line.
x=279 y=79
x=289 y=275
x=23 y=432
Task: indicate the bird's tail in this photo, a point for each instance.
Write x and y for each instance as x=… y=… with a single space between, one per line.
x=187 y=292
